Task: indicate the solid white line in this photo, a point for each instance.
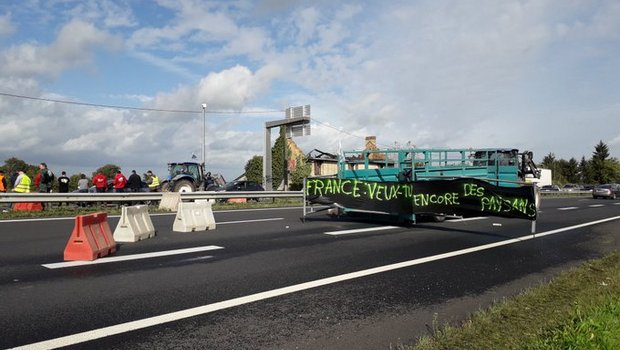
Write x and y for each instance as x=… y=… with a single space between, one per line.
x=358 y=230
x=568 y=208
x=209 y=308
x=111 y=259
x=596 y=205
x=244 y=221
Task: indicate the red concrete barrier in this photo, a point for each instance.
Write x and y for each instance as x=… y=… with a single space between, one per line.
x=91 y=238
x=28 y=207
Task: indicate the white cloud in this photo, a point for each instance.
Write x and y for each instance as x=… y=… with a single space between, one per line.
x=229 y=89
x=6 y=26
x=73 y=47
x=111 y=14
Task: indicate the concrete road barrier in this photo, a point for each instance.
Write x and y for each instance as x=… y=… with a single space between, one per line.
x=170 y=201
x=194 y=217
x=135 y=224
x=91 y=238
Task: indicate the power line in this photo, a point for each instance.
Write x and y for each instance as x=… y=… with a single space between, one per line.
x=134 y=108
x=344 y=132
x=99 y=105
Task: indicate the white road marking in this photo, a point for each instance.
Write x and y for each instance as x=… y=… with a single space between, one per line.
x=209 y=308
x=568 y=208
x=244 y=221
x=470 y=219
x=358 y=230
x=617 y=203
x=111 y=259
x=596 y=205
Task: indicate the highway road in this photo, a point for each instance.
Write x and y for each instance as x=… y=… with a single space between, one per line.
x=266 y=280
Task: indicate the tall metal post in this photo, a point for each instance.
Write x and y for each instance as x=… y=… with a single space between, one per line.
x=204 y=132
x=267 y=175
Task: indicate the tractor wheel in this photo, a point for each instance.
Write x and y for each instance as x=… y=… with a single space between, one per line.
x=184 y=186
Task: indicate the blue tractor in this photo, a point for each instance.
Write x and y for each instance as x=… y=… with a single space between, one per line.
x=190 y=177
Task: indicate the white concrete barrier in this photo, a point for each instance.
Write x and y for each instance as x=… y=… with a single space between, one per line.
x=170 y=201
x=135 y=225
x=194 y=217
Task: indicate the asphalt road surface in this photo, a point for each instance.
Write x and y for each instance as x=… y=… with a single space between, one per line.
x=266 y=280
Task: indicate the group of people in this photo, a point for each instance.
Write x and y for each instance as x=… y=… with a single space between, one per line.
x=21 y=182
x=121 y=183
x=43 y=182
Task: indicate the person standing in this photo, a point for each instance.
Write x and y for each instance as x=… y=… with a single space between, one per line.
x=22 y=183
x=3 y=186
x=153 y=181
x=119 y=182
x=63 y=183
x=134 y=182
x=101 y=182
x=45 y=186
x=82 y=187
x=83 y=184
x=3 y=189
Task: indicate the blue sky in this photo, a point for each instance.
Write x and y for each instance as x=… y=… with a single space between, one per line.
x=539 y=75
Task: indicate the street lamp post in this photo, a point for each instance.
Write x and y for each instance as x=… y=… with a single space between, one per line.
x=204 y=131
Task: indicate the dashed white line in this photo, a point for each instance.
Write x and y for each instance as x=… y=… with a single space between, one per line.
x=358 y=230
x=568 y=208
x=111 y=259
x=209 y=308
x=596 y=205
x=470 y=219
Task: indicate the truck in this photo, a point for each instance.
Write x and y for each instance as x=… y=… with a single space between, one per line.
x=501 y=167
x=191 y=177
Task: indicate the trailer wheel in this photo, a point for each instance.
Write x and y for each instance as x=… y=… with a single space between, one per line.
x=439 y=217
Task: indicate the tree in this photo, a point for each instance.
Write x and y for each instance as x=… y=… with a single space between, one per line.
x=570 y=170
x=548 y=161
x=302 y=170
x=601 y=171
x=254 y=169
x=109 y=170
x=278 y=165
x=585 y=172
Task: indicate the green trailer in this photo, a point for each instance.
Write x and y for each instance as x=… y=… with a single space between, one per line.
x=502 y=167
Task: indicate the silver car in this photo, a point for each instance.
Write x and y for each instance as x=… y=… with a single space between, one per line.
x=611 y=191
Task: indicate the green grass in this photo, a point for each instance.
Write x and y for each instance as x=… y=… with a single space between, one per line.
x=67 y=211
x=579 y=309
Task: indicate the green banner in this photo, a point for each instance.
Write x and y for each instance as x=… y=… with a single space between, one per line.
x=467 y=197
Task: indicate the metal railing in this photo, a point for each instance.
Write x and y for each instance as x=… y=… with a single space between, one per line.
x=13 y=197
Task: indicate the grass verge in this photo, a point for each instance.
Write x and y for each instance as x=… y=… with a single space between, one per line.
x=72 y=210
x=579 y=309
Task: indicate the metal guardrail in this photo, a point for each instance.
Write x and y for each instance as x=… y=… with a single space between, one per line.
x=565 y=193
x=13 y=197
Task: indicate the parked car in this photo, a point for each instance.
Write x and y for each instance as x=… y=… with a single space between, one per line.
x=242 y=186
x=587 y=187
x=611 y=191
x=550 y=188
x=571 y=188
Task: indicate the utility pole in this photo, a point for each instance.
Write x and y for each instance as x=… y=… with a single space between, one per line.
x=204 y=132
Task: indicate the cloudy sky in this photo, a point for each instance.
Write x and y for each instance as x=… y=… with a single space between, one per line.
x=542 y=75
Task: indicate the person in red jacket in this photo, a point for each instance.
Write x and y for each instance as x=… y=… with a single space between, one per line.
x=101 y=182
x=119 y=182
